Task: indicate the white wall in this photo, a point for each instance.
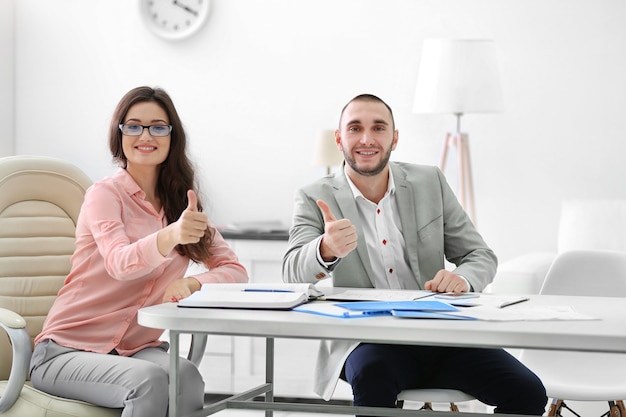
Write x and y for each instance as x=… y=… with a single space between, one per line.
x=256 y=84
x=7 y=77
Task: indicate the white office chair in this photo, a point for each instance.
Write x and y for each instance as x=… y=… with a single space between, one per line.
x=434 y=395
x=583 y=376
x=40 y=198
x=428 y=396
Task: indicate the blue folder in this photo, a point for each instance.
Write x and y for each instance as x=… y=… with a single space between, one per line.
x=413 y=309
x=416 y=305
x=325 y=308
x=428 y=315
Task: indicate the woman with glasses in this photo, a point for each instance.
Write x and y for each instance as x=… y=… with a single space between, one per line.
x=135 y=237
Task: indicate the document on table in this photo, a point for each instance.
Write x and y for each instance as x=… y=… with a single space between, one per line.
x=489 y=299
x=522 y=313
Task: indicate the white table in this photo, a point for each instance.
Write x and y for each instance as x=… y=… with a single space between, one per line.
x=605 y=335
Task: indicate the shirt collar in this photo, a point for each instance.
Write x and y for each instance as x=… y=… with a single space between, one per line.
x=127 y=182
x=391 y=185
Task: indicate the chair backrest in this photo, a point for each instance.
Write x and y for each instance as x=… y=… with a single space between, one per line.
x=600 y=273
x=40 y=199
x=592 y=224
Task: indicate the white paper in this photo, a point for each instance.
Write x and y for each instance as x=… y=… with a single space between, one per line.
x=523 y=313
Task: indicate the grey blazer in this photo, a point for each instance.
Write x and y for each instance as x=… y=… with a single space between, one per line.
x=434 y=225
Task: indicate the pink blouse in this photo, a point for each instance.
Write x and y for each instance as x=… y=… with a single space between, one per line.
x=116 y=269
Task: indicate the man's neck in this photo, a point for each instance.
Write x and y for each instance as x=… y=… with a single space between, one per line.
x=372 y=187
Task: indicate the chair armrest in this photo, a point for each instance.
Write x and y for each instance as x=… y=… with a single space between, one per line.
x=522 y=275
x=197 y=347
x=15 y=326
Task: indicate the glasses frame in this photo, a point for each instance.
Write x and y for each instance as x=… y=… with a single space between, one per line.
x=149 y=127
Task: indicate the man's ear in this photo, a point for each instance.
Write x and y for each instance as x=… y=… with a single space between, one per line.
x=395 y=140
x=338 y=140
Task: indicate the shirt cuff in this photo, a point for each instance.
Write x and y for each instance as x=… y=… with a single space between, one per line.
x=327 y=265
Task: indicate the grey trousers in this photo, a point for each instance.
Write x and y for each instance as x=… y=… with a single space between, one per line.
x=138 y=384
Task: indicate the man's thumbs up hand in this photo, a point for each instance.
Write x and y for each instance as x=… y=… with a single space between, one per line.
x=339 y=237
x=328 y=215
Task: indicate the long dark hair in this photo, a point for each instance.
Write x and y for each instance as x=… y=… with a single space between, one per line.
x=176 y=174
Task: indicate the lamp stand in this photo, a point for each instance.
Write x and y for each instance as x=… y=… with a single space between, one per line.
x=460 y=141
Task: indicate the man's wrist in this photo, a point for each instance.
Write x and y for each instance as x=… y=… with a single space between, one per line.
x=326 y=264
x=469 y=287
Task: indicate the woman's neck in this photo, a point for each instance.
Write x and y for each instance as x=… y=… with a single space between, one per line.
x=146 y=179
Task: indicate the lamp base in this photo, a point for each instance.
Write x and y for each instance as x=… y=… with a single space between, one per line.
x=460 y=141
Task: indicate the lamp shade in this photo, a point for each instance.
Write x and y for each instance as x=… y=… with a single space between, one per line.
x=326 y=152
x=458 y=76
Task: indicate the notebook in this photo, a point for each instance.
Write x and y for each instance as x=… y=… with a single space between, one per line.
x=277 y=296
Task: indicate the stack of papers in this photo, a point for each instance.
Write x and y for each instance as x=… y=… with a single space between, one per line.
x=253 y=295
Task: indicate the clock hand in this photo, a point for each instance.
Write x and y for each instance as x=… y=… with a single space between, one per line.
x=186 y=8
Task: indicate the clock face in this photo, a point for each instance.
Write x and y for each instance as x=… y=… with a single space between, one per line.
x=175 y=19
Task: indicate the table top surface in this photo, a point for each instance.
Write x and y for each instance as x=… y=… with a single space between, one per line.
x=607 y=334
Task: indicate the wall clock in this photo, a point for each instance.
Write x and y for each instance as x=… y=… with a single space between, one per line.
x=175 y=19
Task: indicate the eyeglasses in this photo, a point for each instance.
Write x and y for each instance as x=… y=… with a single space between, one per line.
x=137 y=130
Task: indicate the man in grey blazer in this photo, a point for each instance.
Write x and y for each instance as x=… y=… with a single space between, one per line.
x=382 y=224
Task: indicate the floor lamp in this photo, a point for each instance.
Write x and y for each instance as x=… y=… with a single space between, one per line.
x=460 y=141
x=458 y=76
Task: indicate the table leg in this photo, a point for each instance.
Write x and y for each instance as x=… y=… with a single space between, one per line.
x=269 y=372
x=174 y=377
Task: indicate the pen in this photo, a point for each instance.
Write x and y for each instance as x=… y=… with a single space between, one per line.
x=264 y=290
x=510 y=303
x=424 y=296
